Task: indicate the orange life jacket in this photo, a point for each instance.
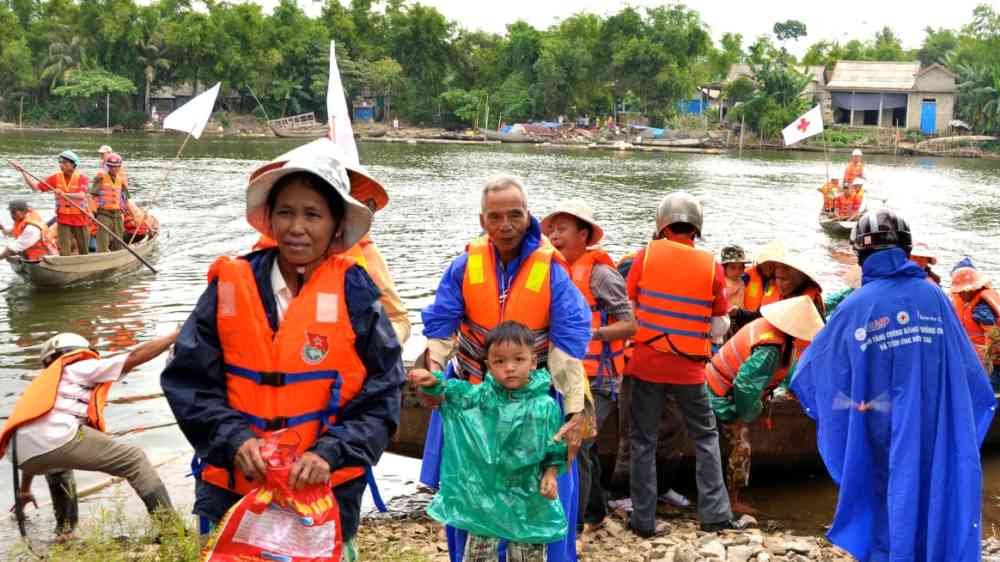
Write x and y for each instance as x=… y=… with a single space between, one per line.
x=44 y=246
x=721 y=371
x=603 y=359
x=128 y=218
x=110 y=196
x=527 y=302
x=756 y=295
x=40 y=398
x=977 y=333
x=674 y=306
x=77 y=193
x=852 y=172
x=299 y=377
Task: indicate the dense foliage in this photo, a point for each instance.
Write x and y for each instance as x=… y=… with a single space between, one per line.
x=61 y=59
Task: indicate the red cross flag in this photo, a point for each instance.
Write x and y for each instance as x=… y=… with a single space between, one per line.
x=804 y=127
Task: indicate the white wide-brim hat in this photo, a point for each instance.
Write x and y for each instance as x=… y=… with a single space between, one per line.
x=796 y=317
x=795 y=262
x=323 y=159
x=580 y=210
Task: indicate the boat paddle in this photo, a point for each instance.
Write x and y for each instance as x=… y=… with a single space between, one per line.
x=86 y=213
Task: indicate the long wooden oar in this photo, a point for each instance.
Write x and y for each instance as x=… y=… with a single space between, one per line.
x=86 y=213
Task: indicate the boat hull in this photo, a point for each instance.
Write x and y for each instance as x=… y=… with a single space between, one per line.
x=62 y=271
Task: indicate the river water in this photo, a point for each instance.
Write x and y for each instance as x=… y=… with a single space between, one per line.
x=434 y=192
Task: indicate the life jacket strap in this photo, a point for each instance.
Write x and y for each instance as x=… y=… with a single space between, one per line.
x=275 y=378
x=284 y=422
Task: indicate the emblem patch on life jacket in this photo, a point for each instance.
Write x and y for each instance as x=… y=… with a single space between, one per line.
x=315 y=348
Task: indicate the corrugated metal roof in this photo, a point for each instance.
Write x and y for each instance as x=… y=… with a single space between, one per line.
x=874 y=75
x=741 y=70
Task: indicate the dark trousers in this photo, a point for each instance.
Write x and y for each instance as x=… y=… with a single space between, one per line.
x=593 y=503
x=648 y=400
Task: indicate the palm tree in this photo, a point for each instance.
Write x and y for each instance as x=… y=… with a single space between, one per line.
x=150 y=55
x=65 y=57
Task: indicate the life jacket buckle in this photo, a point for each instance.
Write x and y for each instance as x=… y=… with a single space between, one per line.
x=274 y=424
x=272 y=378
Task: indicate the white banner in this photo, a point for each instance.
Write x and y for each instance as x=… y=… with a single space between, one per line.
x=339 y=121
x=804 y=127
x=194 y=115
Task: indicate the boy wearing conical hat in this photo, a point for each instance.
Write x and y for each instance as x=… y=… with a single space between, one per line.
x=742 y=375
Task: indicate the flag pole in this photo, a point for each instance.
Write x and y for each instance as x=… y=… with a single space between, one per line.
x=826 y=144
x=156 y=196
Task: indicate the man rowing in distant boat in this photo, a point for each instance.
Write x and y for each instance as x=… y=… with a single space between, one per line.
x=74 y=224
x=108 y=189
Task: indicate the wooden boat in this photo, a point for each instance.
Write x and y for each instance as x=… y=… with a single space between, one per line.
x=789 y=442
x=61 y=271
x=838 y=227
x=303 y=125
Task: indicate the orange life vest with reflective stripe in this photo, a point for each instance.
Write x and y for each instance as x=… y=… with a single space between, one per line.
x=299 y=377
x=77 y=192
x=721 y=371
x=852 y=172
x=757 y=295
x=44 y=245
x=110 y=196
x=527 y=301
x=603 y=359
x=977 y=333
x=675 y=299
x=40 y=398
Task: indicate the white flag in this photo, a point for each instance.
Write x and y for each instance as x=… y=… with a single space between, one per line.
x=804 y=127
x=194 y=115
x=336 y=111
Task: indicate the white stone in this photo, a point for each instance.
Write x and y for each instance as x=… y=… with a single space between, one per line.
x=763 y=557
x=714 y=549
x=740 y=553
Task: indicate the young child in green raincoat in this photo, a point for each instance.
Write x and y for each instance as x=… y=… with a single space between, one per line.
x=500 y=462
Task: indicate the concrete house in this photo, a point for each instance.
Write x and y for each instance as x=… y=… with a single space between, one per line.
x=892 y=94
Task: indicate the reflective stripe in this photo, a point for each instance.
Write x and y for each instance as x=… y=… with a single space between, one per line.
x=281 y=422
x=267 y=379
x=675 y=298
x=671 y=331
x=672 y=314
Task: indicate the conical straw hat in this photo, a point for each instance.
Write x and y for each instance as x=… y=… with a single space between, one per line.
x=576 y=208
x=769 y=252
x=796 y=317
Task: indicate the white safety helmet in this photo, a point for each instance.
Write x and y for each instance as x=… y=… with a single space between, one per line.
x=59 y=345
x=856 y=152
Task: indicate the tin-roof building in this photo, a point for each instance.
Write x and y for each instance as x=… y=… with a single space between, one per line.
x=892 y=94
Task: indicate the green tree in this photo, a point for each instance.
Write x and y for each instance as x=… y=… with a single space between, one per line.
x=938 y=45
x=420 y=40
x=789 y=29
x=887 y=46
x=730 y=53
x=151 y=56
x=66 y=55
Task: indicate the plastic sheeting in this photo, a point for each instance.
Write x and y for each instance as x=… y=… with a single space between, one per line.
x=868 y=102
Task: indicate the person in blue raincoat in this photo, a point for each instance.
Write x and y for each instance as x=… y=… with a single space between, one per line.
x=511 y=259
x=901 y=405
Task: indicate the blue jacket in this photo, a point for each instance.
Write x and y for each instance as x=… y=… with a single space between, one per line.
x=902 y=405
x=195 y=387
x=569 y=315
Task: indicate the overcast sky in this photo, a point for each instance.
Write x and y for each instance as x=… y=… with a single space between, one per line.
x=835 y=20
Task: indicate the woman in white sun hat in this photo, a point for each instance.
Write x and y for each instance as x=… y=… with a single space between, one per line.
x=290 y=337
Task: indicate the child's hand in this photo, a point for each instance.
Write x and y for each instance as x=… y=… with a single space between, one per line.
x=422 y=377
x=549 y=487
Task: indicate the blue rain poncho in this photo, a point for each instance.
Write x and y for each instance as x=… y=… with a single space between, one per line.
x=497 y=444
x=902 y=405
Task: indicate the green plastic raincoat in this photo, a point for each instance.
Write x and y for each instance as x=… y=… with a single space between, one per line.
x=497 y=444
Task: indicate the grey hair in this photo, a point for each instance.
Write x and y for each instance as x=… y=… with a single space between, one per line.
x=501 y=182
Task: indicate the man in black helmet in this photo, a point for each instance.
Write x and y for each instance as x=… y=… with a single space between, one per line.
x=901 y=405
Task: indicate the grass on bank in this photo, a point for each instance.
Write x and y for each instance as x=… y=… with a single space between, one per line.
x=111 y=536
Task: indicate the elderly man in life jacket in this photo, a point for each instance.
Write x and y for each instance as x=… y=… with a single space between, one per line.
x=71 y=201
x=573 y=232
x=108 y=190
x=902 y=406
x=511 y=272
x=30 y=233
x=57 y=426
x=978 y=308
x=367 y=190
x=752 y=364
x=679 y=296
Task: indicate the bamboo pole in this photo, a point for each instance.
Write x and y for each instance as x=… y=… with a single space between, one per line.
x=156 y=196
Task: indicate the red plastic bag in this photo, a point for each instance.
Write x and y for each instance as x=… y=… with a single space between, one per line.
x=274 y=523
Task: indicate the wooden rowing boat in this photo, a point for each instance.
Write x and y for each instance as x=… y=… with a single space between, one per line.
x=839 y=227
x=784 y=437
x=61 y=271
